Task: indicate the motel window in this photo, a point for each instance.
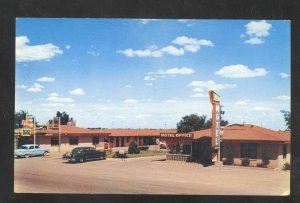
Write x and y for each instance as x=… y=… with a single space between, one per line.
x=95 y=140
x=128 y=139
x=284 y=150
x=249 y=150
x=54 y=141
x=73 y=140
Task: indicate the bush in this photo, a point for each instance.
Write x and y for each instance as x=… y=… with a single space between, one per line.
x=143 y=148
x=162 y=146
x=118 y=155
x=133 y=148
x=229 y=158
x=287 y=166
x=245 y=162
x=265 y=159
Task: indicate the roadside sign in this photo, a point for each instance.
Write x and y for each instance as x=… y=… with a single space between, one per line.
x=26 y=131
x=215 y=100
x=27 y=124
x=177 y=135
x=29 y=118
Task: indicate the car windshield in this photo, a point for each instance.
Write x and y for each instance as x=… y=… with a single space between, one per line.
x=23 y=147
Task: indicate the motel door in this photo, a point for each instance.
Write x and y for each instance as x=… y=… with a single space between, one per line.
x=122 y=142
x=117 y=141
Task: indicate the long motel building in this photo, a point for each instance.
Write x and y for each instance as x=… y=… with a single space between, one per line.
x=239 y=140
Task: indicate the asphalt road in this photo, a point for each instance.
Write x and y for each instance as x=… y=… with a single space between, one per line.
x=144 y=176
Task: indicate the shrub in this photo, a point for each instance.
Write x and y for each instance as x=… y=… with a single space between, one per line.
x=245 y=162
x=143 y=148
x=162 y=146
x=133 y=148
x=287 y=166
x=265 y=159
x=229 y=158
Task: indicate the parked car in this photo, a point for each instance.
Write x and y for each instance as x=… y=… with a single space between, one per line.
x=28 y=150
x=82 y=154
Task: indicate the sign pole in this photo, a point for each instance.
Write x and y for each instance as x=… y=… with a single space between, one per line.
x=59 y=136
x=34 y=138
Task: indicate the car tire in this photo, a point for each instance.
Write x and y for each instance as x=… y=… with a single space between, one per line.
x=26 y=155
x=45 y=153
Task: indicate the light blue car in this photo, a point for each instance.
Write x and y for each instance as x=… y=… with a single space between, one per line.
x=28 y=150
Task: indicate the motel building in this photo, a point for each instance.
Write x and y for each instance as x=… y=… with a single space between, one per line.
x=238 y=141
x=72 y=136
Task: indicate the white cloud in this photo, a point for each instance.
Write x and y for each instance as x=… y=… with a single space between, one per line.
x=53 y=94
x=284 y=75
x=174 y=71
x=35 y=88
x=25 y=52
x=146 y=21
x=258 y=28
x=142 y=116
x=198 y=89
x=199 y=95
x=46 y=79
x=240 y=71
x=192 y=44
x=262 y=108
x=254 y=40
x=172 y=101
x=283 y=97
x=121 y=117
x=68 y=47
x=184 y=20
x=141 y=53
x=148 y=77
x=71 y=105
x=130 y=101
x=189 y=44
x=173 y=50
x=77 y=91
x=128 y=86
x=149 y=84
x=92 y=53
x=21 y=86
x=242 y=102
x=59 y=99
x=211 y=85
x=52 y=104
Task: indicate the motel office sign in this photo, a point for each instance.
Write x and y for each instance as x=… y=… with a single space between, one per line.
x=177 y=135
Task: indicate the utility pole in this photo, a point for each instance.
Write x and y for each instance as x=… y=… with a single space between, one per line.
x=34 y=138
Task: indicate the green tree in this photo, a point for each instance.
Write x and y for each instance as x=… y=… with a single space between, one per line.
x=194 y=122
x=64 y=117
x=19 y=116
x=287 y=118
x=133 y=148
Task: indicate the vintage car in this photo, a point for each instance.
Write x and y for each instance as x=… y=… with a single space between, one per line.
x=28 y=150
x=82 y=154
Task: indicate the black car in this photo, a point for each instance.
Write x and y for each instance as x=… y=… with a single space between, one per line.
x=82 y=154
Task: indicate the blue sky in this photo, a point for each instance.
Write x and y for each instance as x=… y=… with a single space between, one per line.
x=137 y=73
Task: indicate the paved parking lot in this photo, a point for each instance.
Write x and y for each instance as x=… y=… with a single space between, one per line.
x=147 y=175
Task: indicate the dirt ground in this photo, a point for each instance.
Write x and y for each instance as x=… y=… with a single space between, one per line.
x=148 y=175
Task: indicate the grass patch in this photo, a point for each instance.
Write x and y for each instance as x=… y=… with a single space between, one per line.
x=141 y=154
